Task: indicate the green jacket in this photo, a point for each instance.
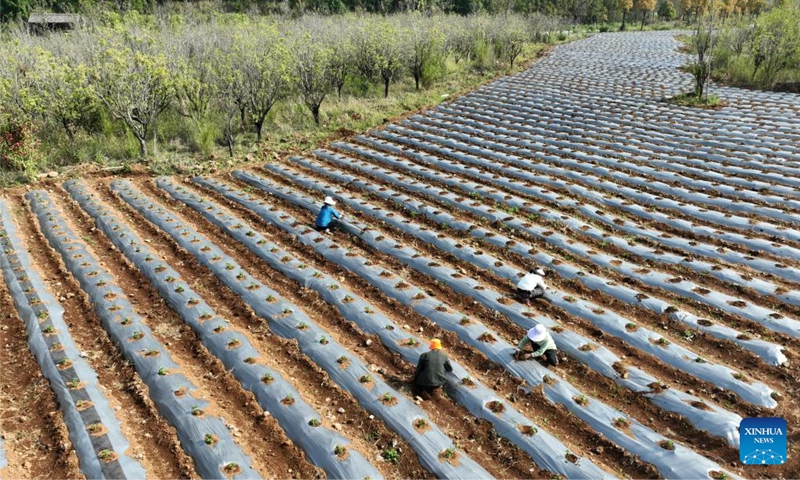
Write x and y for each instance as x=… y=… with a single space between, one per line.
x=431 y=369
x=538 y=348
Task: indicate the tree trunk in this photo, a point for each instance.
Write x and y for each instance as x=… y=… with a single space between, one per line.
x=259 y=124
x=142 y=146
x=622 y=27
x=315 y=112
x=385 y=88
x=644 y=15
x=339 y=90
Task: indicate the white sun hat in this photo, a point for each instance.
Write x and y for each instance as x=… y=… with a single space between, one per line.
x=539 y=271
x=329 y=201
x=537 y=333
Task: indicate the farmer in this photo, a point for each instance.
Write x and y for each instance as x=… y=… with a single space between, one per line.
x=531 y=286
x=431 y=370
x=326 y=216
x=542 y=344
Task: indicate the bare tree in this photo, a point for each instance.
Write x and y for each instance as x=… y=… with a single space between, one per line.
x=703 y=41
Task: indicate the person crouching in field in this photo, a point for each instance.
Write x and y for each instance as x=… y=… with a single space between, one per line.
x=542 y=344
x=432 y=370
x=532 y=286
x=326 y=216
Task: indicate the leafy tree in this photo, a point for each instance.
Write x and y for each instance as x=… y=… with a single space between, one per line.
x=666 y=11
x=262 y=76
x=703 y=41
x=311 y=57
x=776 y=43
x=426 y=41
x=64 y=93
x=13 y=9
x=510 y=37
x=625 y=6
x=645 y=6
x=391 y=52
x=135 y=87
x=342 y=56
x=192 y=56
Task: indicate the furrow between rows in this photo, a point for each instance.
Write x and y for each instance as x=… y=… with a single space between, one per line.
x=477 y=398
x=172 y=392
x=232 y=347
x=595 y=413
x=541 y=173
x=284 y=319
x=676 y=284
x=95 y=431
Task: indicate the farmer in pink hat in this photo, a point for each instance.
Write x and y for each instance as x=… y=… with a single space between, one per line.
x=326 y=216
x=541 y=342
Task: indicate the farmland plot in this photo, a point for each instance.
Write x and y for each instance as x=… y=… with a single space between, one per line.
x=201 y=327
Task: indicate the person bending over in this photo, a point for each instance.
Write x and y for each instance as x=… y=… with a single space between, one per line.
x=531 y=286
x=326 y=216
x=432 y=370
x=542 y=344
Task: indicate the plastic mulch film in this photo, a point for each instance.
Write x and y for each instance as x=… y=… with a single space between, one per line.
x=175 y=397
x=474 y=397
x=765 y=316
x=287 y=321
x=535 y=184
x=610 y=323
x=520 y=155
x=587 y=134
x=626 y=170
x=543 y=172
x=662 y=150
x=94 y=429
x=511 y=180
x=599 y=416
x=771 y=352
x=740 y=156
x=724 y=424
x=232 y=347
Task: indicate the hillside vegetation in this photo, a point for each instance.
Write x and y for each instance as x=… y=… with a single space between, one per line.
x=175 y=87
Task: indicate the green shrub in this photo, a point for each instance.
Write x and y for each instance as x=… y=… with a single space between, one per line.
x=20 y=149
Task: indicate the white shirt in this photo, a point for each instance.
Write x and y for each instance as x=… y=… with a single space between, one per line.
x=531 y=281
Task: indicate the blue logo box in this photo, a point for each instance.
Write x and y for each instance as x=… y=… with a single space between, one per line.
x=763 y=441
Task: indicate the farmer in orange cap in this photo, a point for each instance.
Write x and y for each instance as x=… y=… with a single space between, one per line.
x=431 y=370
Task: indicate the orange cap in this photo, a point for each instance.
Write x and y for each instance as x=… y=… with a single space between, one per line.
x=435 y=344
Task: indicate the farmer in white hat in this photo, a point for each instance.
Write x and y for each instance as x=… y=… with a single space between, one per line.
x=541 y=342
x=531 y=286
x=326 y=215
